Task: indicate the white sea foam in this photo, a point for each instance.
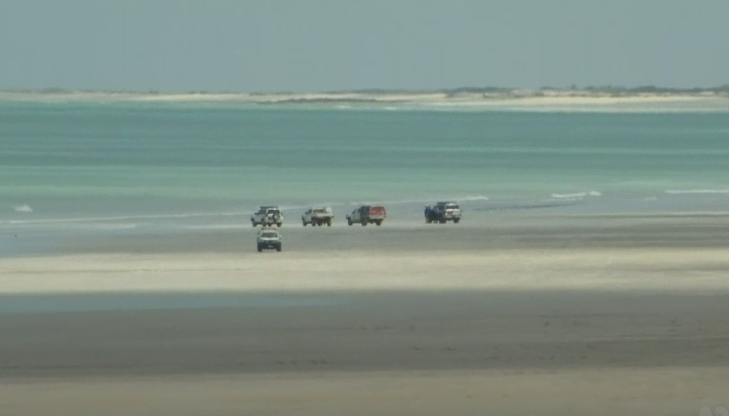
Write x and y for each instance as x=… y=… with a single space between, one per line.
x=125 y=218
x=569 y=196
x=554 y=202
x=696 y=191
x=181 y=216
x=108 y=227
x=86 y=220
x=216 y=227
x=23 y=208
x=471 y=198
x=576 y=195
x=68 y=226
x=294 y=207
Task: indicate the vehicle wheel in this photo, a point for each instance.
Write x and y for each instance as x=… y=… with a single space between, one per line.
x=253 y=224
x=455 y=220
x=428 y=220
x=379 y=222
x=313 y=224
x=364 y=223
x=278 y=248
x=329 y=223
x=260 y=249
x=349 y=222
x=280 y=224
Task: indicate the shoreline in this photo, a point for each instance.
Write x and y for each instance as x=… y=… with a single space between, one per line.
x=518 y=253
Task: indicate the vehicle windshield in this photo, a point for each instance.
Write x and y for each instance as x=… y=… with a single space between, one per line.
x=269 y=234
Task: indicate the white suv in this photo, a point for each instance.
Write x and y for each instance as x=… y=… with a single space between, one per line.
x=267 y=216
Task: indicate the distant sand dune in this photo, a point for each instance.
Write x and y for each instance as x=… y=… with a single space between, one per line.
x=561 y=100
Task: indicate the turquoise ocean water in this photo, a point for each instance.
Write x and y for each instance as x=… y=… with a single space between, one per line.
x=109 y=167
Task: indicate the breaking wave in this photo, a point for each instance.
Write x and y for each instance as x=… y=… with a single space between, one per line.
x=576 y=195
x=23 y=208
x=471 y=198
x=696 y=191
x=125 y=218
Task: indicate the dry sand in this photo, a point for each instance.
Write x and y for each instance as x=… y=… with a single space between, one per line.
x=611 y=315
x=527 y=270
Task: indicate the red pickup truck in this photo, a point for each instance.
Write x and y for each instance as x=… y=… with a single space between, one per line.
x=367 y=214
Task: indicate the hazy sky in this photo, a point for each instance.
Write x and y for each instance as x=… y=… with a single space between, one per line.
x=315 y=45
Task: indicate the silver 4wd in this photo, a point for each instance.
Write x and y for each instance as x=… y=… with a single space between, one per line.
x=267 y=216
x=268 y=239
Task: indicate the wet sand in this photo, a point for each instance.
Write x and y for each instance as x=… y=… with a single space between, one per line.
x=481 y=232
x=610 y=315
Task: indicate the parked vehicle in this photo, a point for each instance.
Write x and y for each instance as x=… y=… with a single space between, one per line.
x=367 y=214
x=268 y=239
x=267 y=216
x=443 y=212
x=318 y=216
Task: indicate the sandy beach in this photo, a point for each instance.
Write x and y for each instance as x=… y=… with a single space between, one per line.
x=547 y=315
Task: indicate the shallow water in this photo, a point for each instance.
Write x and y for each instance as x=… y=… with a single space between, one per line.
x=114 y=168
